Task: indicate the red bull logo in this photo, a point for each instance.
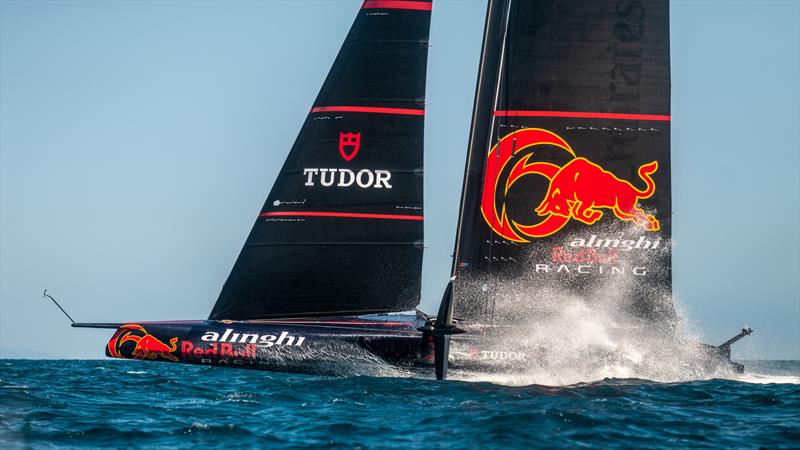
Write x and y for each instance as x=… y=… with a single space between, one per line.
x=579 y=190
x=146 y=346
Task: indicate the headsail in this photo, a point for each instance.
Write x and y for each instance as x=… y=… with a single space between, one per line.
x=341 y=230
x=567 y=186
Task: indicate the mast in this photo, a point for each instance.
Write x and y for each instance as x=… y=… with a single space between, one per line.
x=486 y=90
x=486 y=95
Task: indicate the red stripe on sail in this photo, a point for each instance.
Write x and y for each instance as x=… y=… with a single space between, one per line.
x=347 y=215
x=583 y=115
x=368 y=109
x=397 y=4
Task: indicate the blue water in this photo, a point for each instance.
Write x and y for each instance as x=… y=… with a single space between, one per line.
x=129 y=404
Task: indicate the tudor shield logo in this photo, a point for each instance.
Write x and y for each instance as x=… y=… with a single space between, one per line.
x=349 y=143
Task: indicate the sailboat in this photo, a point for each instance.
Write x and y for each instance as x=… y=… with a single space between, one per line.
x=566 y=191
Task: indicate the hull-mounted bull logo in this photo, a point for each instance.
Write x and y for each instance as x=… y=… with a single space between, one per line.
x=146 y=346
x=580 y=189
x=350 y=141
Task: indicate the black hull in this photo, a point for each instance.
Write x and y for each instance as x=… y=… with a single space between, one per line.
x=346 y=346
x=336 y=346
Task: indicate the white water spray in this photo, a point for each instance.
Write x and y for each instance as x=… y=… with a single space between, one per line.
x=625 y=326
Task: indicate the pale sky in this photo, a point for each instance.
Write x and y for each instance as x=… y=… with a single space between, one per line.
x=138 y=141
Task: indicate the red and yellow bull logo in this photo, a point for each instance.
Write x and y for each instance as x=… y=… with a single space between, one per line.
x=146 y=346
x=579 y=190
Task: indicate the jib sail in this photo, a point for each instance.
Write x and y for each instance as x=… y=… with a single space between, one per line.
x=567 y=184
x=341 y=230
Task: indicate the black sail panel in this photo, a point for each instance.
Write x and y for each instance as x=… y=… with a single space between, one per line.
x=341 y=230
x=569 y=192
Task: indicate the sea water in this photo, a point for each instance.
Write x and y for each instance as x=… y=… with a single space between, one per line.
x=132 y=404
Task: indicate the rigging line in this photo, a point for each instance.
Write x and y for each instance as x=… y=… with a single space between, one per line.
x=45 y=294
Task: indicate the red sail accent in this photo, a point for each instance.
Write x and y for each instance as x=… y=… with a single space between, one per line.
x=583 y=115
x=397 y=4
x=368 y=109
x=339 y=214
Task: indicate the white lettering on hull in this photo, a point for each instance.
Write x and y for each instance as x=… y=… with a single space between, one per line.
x=263 y=340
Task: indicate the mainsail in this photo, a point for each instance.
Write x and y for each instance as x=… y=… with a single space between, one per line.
x=567 y=183
x=341 y=230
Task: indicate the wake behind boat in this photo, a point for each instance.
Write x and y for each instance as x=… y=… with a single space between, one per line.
x=566 y=200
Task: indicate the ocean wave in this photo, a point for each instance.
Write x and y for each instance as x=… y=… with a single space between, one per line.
x=73 y=404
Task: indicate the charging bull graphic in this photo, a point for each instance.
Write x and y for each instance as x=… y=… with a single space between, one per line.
x=580 y=189
x=146 y=346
